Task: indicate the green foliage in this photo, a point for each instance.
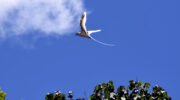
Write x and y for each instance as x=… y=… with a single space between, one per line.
x=104 y=90
x=135 y=91
x=2 y=95
x=55 y=96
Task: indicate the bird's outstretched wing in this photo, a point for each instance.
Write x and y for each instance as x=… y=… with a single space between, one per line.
x=94 y=31
x=82 y=23
x=102 y=42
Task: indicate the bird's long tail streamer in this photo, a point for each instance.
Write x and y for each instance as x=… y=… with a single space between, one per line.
x=102 y=42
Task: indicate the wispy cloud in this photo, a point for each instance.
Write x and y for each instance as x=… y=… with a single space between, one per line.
x=48 y=17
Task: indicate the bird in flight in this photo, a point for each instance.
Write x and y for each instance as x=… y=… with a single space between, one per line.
x=87 y=34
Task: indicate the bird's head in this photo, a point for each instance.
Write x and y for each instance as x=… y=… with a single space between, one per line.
x=77 y=33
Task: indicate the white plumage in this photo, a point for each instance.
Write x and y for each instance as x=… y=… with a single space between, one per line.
x=87 y=34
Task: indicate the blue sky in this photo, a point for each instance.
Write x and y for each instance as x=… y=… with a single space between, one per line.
x=146 y=34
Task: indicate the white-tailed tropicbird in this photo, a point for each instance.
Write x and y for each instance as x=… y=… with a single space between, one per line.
x=87 y=34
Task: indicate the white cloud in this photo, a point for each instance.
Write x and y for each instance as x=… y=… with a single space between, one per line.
x=18 y=17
